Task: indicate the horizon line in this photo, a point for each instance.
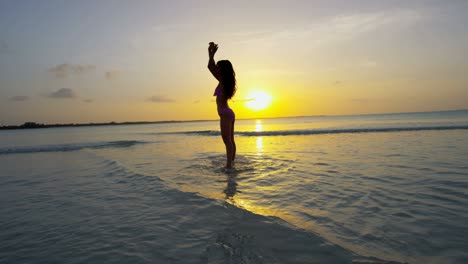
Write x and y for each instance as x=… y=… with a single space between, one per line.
x=45 y=125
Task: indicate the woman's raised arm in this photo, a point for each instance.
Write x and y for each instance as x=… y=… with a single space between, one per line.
x=212 y=48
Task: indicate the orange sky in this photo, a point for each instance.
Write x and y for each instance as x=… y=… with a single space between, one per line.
x=146 y=61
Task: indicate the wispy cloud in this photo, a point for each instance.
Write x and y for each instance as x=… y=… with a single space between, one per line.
x=335 y=28
x=174 y=27
x=276 y=72
x=65 y=70
x=244 y=100
x=160 y=99
x=88 y=100
x=164 y=32
x=196 y=101
x=358 y=64
x=112 y=75
x=62 y=93
x=367 y=64
x=19 y=98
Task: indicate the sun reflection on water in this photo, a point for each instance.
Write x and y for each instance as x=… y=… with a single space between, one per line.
x=258 y=125
x=259 y=128
x=259 y=146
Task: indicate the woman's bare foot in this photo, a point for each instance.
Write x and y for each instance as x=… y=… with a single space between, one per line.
x=228 y=169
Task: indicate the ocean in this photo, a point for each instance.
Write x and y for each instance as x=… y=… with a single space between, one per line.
x=385 y=188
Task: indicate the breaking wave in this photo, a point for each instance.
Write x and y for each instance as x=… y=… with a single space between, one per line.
x=70 y=147
x=318 y=131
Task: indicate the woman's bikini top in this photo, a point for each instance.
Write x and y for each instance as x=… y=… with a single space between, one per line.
x=218 y=90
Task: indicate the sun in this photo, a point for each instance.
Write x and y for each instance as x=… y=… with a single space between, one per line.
x=258 y=100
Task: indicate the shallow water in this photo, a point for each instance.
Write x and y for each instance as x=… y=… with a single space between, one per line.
x=304 y=190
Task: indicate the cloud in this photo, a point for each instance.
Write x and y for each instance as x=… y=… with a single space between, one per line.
x=65 y=70
x=112 y=75
x=245 y=100
x=19 y=98
x=62 y=93
x=337 y=83
x=367 y=64
x=196 y=101
x=88 y=100
x=166 y=34
x=160 y=99
x=276 y=71
x=174 y=27
x=365 y=22
x=334 y=29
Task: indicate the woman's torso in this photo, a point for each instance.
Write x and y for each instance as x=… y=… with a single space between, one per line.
x=221 y=100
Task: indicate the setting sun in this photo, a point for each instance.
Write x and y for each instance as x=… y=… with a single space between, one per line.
x=258 y=100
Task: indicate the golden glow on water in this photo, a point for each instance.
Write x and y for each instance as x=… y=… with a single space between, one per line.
x=259 y=146
x=270 y=211
x=249 y=206
x=258 y=126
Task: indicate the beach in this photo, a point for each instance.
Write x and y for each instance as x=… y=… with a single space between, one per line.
x=387 y=188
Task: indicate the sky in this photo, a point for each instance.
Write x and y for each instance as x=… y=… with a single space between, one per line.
x=111 y=60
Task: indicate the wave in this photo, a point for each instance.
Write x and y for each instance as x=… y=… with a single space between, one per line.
x=69 y=147
x=318 y=131
x=237 y=235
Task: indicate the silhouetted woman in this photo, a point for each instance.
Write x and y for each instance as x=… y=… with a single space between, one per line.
x=225 y=90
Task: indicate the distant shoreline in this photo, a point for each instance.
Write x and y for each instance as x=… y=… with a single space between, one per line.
x=34 y=125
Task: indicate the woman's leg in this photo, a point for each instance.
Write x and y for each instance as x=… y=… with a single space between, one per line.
x=226 y=130
x=232 y=139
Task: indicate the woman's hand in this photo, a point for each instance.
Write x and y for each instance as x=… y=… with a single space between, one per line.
x=212 y=48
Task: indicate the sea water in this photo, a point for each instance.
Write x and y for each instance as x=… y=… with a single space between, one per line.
x=331 y=189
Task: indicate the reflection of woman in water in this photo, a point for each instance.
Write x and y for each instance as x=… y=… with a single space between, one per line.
x=231 y=188
x=225 y=90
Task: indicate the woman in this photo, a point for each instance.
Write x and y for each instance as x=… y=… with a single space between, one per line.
x=225 y=90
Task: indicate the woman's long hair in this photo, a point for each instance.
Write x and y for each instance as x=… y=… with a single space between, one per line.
x=228 y=78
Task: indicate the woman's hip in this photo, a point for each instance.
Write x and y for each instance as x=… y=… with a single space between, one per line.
x=226 y=112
